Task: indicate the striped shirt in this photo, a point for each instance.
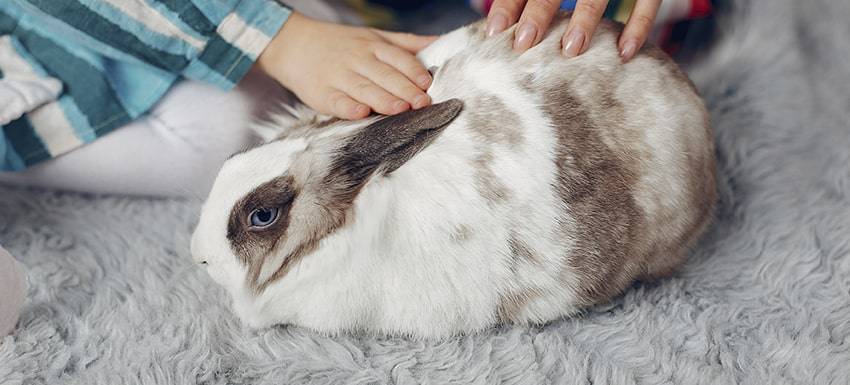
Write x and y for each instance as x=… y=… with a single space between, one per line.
x=117 y=58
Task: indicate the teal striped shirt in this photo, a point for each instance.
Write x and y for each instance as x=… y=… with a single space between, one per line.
x=117 y=58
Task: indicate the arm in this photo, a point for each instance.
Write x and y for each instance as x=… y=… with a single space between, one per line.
x=353 y=70
x=335 y=69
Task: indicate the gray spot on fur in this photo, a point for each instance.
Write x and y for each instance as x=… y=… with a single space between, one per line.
x=491 y=119
x=597 y=187
x=520 y=251
x=495 y=125
x=512 y=304
x=526 y=82
x=487 y=182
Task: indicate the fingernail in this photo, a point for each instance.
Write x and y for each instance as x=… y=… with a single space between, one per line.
x=525 y=37
x=496 y=24
x=361 y=110
x=629 y=49
x=424 y=81
x=573 y=43
x=400 y=106
x=421 y=101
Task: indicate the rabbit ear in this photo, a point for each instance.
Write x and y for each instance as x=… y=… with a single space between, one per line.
x=393 y=140
x=388 y=143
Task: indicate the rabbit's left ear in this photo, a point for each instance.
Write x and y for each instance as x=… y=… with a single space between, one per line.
x=388 y=143
x=393 y=140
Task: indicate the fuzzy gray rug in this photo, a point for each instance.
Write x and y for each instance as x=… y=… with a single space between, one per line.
x=765 y=298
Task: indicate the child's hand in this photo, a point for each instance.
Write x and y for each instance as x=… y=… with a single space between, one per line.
x=348 y=71
x=533 y=18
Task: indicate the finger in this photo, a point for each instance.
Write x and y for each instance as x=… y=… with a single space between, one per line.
x=583 y=22
x=408 y=64
x=367 y=92
x=534 y=20
x=408 y=41
x=390 y=79
x=342 y=106
x=638 y=27
x=503 y=14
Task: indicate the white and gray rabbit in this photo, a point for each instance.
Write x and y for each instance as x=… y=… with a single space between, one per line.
x=534 y=186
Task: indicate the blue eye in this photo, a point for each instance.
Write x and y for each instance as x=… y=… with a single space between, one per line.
x=263 y=217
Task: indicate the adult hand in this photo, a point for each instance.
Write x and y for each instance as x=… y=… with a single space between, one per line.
x=534 y=16
x=348 y=71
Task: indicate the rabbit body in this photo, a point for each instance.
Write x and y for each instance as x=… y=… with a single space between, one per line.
x=558 y=184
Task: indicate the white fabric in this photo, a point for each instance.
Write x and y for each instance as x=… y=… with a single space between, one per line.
x=19 y=96
x=175 y=150
x=22 y=87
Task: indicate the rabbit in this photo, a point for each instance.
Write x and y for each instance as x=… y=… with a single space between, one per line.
x=533 y=187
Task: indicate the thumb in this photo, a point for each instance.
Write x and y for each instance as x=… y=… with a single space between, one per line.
x=407 y=41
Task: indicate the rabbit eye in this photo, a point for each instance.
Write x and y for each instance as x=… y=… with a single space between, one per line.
x=263 y=217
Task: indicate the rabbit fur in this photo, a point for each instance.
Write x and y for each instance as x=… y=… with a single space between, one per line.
x=534 y=186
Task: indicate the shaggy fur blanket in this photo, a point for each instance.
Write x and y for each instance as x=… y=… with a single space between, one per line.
x=764 y=299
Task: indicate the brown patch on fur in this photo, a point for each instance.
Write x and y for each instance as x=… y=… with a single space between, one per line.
x=250 y=245
x=526 y=82
x=494 y=122
x=596 y=184
x=511 y=306
x=487 y=183
x=520 y=251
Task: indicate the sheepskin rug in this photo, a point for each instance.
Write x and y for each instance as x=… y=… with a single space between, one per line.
x=764 y=299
